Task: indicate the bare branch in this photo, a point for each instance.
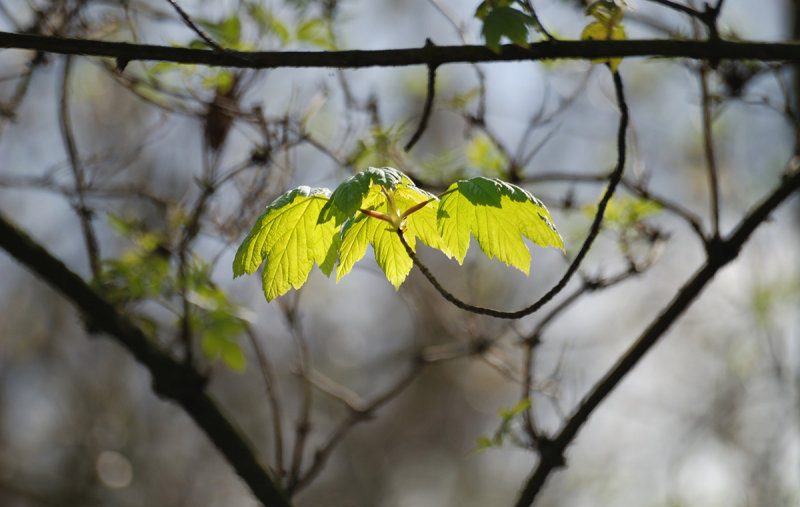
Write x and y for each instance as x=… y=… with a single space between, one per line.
x=437 y=55
x=200 y=33
x=356 y=416
x=723 y=252
x=83 y=211
x=708 y=149
x=594 y=230
x=426 y=110
x=171 y=379
x=269 y=384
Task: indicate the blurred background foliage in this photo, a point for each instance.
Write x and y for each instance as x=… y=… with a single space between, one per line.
x=409 y=401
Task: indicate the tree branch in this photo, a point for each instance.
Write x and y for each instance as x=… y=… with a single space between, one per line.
x=724 y=251
x=426 y=110
x=171 y=379
x=193 y=27
x=78 y=174
x=435 y=55
x=613 y=180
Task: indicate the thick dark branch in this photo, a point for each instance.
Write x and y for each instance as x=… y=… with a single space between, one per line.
x=722 y=253
x=433 y=55
x=171 y=379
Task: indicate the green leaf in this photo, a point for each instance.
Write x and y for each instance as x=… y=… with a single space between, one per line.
x=289 y=240
x=506 y=414
x=498 y=215
x=486 y=7
x=233 y=356
x=506 y=21
x=422 y=223
x=228 y=350
x=484 y=153
x=356 y=235
x=316 y=31
x=267 y=21
x=390 y=254
x=231 y=30
x=608 y=12
x=348 y=197
x=360 y=231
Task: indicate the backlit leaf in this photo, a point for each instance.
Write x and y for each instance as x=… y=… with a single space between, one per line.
x=421 y=223
x=348 y=197
x=362 y=230
x=498 y=215
x=390 y=254
x=288 y=239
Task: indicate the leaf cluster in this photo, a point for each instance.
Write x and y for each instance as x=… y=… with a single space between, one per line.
x=146 y=271
x=383 y=207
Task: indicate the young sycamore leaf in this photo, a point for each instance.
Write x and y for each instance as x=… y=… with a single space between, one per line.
x=289 y=240
x=348 y=197
x=390 y=254
x=498 y=214
x=305 y=226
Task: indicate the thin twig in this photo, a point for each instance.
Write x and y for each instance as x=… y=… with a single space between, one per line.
x=594 y=230
x=679 y=7
x=196 y=29
x=708 y=17
x=426 y=110
x=534 y=337
x=355 y=417
x=78 y=174
x=532 y=12
x=708 y=149
x=303 y=426
x=9 y=108
x=190 y=231
x=267 y=374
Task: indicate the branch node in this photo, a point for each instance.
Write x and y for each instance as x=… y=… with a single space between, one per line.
x=718 y=249
x=122 y=62
x=551 y=452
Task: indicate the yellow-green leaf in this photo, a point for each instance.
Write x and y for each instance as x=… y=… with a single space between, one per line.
x=351 y=194
x=288 y=239
x=362 y=230
x=498 y=215
x=422 y=222
x=390 y=254
x=607 y=27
